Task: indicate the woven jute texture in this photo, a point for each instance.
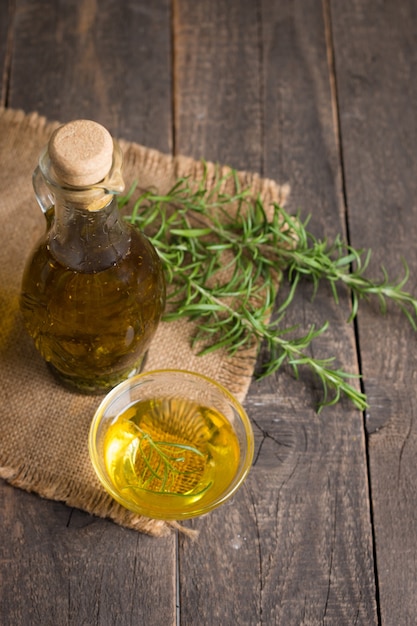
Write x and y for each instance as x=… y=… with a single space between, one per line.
x=43 y=426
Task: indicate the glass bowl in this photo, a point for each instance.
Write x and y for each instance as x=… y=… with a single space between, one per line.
x=171 y=444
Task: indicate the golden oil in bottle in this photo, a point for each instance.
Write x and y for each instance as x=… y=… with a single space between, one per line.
x=170 y=456
x=93 y=290
x=93 y=327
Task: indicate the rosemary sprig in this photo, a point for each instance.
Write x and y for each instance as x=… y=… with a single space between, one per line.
x=318 y=259
x=224 y=256
x=162 y=465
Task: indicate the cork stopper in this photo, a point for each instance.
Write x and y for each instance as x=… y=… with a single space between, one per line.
x=81 y=153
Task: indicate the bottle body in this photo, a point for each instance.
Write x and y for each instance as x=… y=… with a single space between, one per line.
x=93 y=293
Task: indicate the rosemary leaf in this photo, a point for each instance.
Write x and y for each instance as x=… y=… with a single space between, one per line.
x=223 y=268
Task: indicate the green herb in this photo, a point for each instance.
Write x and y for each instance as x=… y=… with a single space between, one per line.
x=162 y=467
x=223 y=268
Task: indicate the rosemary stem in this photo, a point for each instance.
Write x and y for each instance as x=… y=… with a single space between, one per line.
x=335 y=379
x=204 y=233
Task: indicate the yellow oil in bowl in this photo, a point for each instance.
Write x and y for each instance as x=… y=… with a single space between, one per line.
x=171 y=444
x=176 y=448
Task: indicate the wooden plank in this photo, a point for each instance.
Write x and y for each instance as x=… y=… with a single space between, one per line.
x=216 y=92
x=109 y=62
x=63 y=567
x=295 y=546
x=376 y=61
x=217 y=82
x=6 y=31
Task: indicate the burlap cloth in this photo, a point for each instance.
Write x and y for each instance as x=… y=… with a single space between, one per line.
x=44 y=427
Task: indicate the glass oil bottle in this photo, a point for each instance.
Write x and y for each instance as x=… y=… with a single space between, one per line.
x=93 y=289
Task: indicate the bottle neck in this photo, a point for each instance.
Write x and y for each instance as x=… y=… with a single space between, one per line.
x=85 y=240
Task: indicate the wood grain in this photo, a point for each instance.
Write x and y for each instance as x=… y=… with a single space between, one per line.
x=300 y=532
x=376 y=64
x=217 y=82
x=6 y=33
x=72 y=60
x=105 y=60
x=218 y=117
x=66 y=567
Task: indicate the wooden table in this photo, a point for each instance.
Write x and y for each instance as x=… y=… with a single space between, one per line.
x=322 y=95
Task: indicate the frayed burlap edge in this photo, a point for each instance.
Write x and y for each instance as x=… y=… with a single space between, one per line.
x=91 y=500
